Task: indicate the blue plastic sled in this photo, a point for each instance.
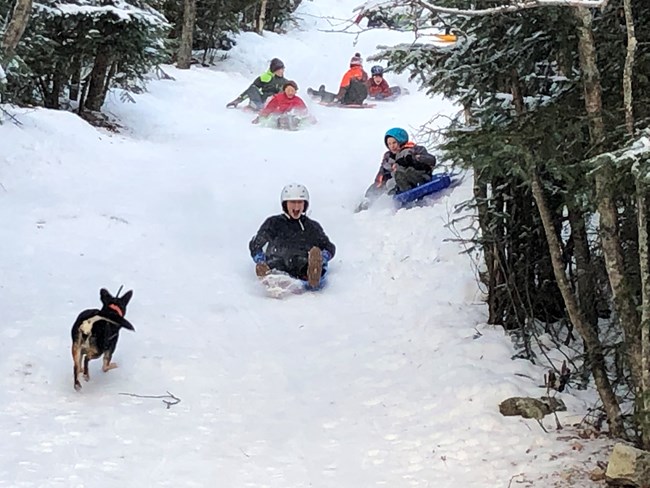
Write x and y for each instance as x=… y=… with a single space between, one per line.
x=438 y=182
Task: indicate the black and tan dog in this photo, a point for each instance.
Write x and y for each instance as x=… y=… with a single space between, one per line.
x=95 y=332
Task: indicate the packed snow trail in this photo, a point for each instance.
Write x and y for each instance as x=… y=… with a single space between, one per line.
x=388 y=377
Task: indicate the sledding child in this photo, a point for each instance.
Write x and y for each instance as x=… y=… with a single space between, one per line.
x=291 y=242
x=353 y=89
x=284 y=103
x=267 y=84
x=378 y=87
x=404 y=166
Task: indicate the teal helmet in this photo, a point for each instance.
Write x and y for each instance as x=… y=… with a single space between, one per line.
x=397 y=133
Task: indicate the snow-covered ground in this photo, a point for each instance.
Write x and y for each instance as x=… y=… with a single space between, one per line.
x=387 y=378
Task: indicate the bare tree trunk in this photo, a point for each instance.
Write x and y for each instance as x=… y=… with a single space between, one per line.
x=586 y=287
x=75 y=79
x=96 y=92
x=15 y=29
x=588 y=333
x=622 y=291
x=480 y=196
x=643 y=392
x=83 y=96
x=517 y=95
x=184 y=59
x=262 y=17
x=629 y=67
x=109 y=77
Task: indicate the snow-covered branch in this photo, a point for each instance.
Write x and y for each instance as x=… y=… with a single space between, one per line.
x=120 y=9
x=513 y=7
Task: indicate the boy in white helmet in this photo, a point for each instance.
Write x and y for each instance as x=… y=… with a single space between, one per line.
x=292 y=242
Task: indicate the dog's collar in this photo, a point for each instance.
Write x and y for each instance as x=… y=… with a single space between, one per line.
x=115 y=308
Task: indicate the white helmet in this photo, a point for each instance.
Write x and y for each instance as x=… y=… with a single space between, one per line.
x=294 y=191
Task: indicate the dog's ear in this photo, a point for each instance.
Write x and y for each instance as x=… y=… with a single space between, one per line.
x=105 y=296
x=126 y=298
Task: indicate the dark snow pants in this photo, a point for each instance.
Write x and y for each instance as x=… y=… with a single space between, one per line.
x=407 y=178
x=328 y=97
x=255 y=97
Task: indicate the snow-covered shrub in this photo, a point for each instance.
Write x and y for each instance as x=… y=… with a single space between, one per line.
x=77 y=50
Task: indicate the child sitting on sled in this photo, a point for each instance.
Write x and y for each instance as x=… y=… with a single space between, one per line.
x=353 y=89
x=403 y=167
x=378 y=88
x=291 y=242
x=285 y=105
x=267 y=84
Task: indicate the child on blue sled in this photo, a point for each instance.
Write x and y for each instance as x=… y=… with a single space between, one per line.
x=404 y=166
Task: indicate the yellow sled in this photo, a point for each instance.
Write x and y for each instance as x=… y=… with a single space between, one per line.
x=446 y=37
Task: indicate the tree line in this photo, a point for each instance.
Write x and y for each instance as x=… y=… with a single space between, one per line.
x=555 y=127
x=67 y=54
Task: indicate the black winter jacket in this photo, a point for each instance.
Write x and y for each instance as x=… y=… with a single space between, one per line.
x=285 y=237
x=268 y=84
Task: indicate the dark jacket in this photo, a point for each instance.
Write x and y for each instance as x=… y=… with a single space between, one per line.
x=267 y=84
x=411 y=155
x=353 y=89
x=285 y=237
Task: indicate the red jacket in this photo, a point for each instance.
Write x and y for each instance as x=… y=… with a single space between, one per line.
x=281 y=104
x=374 y=89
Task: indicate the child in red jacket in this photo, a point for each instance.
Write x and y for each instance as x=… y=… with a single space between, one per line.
x=286 y=109
x=284 y=102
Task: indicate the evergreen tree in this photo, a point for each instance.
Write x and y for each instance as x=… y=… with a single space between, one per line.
x=527 y=131
x=75 y=51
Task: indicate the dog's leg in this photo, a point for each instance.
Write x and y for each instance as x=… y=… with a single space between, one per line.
x=76 y=358
x=107 y=366
x=86 y=361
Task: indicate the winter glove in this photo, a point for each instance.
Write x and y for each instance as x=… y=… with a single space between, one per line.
x=256 y=120
x=260 y=257
x=405 y=158
x=326 y=256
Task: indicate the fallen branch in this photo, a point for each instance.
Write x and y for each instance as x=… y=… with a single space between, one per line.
x=175 y=400
x=162 y=75
x=12 y=117
x=513 y=479
x=126 y=97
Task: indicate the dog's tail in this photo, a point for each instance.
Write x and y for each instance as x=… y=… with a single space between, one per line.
x=125 y=323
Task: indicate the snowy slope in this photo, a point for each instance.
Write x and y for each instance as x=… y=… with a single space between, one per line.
x=389 y=377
